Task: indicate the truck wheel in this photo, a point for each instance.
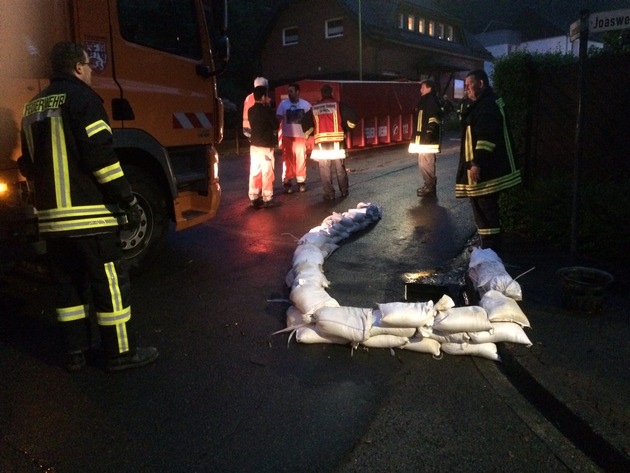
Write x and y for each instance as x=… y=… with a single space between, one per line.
x=142 y=245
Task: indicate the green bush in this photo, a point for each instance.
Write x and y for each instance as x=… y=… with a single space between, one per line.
x=543 y=212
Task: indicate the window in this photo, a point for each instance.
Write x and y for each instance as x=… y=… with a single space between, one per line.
x=449 y=33
x=431 y=28
x=401 y=21
x=410 y=23
x=421 y=25
x=440 y=31
x=334 y=28
x=170 y=26
x=290 y=36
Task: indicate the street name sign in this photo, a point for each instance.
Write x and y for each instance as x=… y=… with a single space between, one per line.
x=602 y=21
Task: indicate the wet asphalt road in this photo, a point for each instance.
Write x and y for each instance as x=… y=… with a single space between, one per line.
x=227 y=396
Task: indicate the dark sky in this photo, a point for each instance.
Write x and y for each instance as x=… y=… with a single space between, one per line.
x=479 y=15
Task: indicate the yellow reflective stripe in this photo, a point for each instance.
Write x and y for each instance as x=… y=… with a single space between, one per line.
x=108 y=173
x=123 y=339
x=60 y=163
x=68 y=314
x=114 y=289
x=28 y=134
x=114 y=318
x=434 y=120
x=488 y=187
x=79 y=211
x=96 y=127
x=419 y=125
x=468 y=148
x=351 y=125
x=483 y=145
x=84 y=224
x=489 y=231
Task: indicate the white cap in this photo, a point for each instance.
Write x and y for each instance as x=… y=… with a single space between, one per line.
x=260 y=82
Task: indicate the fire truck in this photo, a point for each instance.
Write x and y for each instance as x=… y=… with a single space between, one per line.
x=154 y=64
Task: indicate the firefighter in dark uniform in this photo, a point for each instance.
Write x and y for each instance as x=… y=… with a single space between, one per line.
x=82 y=198
x=487 y=165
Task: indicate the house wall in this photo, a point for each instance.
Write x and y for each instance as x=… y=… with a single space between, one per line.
x=338 y=58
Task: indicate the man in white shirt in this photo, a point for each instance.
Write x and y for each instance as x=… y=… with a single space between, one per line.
x=290 y=113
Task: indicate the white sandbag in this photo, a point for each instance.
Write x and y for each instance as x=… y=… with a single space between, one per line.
x=309 y=334
x=314 y=237
x=423 y=345
x=310 y=297
x=462 y=319
x=351 y=323
x=407 y=314
x=309 y=273
x=487 y=272
x=503 y=332
x=445 y=303
x=357 y=215
x=501 y=308
x=308 y=253
x=446 y=337
x=483 y=350
x=377 y=327
x=385 y=341
x=372 y=211
x=295 y=318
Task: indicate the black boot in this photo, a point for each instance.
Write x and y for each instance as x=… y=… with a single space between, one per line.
x=132 y=359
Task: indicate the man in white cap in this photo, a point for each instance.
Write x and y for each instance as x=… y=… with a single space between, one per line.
x=249 y=101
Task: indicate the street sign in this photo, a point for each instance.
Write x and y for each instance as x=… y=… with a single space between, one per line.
x=609 y=21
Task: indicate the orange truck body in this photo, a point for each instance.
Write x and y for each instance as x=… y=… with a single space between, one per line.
x=153 y=66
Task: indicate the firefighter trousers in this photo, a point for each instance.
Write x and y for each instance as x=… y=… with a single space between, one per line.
x=487 y=218
x=90 y=269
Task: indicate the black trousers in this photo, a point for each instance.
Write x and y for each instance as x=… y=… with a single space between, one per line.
x=326 y=169
x=487 y=219
x=90 y=271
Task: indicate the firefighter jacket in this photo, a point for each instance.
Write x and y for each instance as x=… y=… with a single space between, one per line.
x=427 y=134
x=67 y=150
x=486 y=142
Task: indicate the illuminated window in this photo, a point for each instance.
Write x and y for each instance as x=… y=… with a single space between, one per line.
x=431 y=28
x=334 y=28
x=410 y=23
x=290 y=36
x=449 y=33
x=421 y=25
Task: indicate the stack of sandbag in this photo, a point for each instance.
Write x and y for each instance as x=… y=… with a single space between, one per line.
x=425 y=327
x=306 y=277
x=487 y=272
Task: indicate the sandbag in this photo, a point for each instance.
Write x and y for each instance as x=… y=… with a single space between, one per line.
x=446 y=337
x=487 y=272
x=501 y=308
x=306 y=273
x=423 y=345
x=462 y=319
x=503 y=332
x=407 y=314
x=483 y=350
x=350 y=323
x=310 y=297
x=308 y=253
x=295 y=318
x=446 y=302
x=385 y=341
x=309 y=334
x=377 y=327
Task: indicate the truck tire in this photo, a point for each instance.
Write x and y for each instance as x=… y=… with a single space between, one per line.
x=142 y=245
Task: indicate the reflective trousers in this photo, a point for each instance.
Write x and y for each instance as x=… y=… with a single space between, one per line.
x=261 y=172
x=293 y=159
x=89 y=270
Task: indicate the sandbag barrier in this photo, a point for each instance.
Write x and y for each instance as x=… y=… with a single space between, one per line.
x=424 y=327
